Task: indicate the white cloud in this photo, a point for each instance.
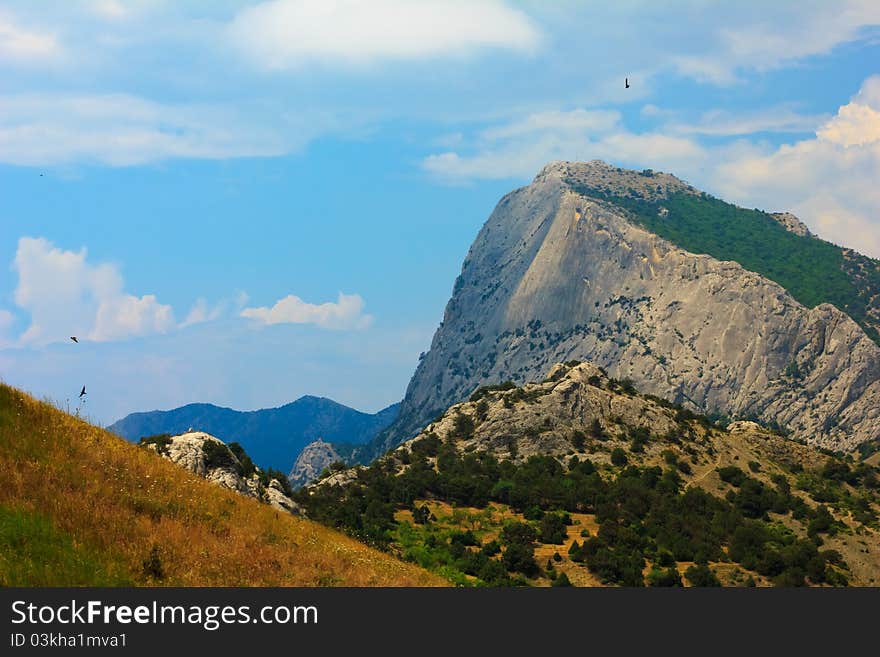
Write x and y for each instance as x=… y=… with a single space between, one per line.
x=521 y=147
x=723 y=123
x=123 y=130
x=202 y=312
x=285 y=34
x=65 y=295
x=346 y=313
x=22 y=45
x=830 y=180
x=776 y=35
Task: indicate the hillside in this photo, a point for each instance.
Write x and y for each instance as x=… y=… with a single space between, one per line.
x=582 y=476
x=727 y=311
x=80 y=506
x=273 y=437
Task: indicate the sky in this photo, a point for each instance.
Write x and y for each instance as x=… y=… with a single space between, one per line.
x=245 y=202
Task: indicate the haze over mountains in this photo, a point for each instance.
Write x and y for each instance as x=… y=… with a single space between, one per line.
x=273 y=437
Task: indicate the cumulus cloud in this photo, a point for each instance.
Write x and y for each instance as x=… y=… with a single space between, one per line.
x=66 y=295
x=346 y=313
x=124 y=130
x=285 y=34
x=829 y=180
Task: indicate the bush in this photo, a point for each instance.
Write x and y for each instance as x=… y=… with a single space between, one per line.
x=618 y=457
x=462 y=426
x=519 y=557
x=732 y=475
x=217 y=455
x=552 y=529
x=701 y=575
x=162 y=441
x=668 y=577
x=152 y=565
x=561 y=580
x=247 y=465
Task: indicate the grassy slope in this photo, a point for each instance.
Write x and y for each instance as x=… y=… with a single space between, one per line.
x=812 y=270
x=80 y=506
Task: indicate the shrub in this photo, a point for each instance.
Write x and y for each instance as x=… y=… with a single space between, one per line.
x=462 y=426
x=152 y=565
x=519 y=557
x=162 y=441
x=561 y=580
x=668 y=577
x=618 y=457
x=247 y=465
x=217 y=455
x=701 y=575
x=552 y=529
x=732 y=475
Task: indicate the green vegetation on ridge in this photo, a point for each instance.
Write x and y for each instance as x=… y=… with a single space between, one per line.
x=812 y=270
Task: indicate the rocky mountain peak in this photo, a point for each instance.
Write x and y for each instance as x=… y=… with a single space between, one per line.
x=565 y=269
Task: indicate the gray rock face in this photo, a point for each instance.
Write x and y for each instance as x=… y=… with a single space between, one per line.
x=554 y=276
x=188 y=451
x=311 y=462
x=791 y=223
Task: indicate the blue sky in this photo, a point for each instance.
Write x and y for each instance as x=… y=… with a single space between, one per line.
x=244 y=202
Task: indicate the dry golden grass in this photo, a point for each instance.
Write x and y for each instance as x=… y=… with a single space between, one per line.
x=119 y=503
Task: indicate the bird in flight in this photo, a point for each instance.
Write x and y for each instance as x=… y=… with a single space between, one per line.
x=82 y=393
x=73 y=337
x=626 y=82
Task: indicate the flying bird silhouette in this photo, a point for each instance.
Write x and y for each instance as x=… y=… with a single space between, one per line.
x=73 y=337
x=626 y=82
x=82 y=393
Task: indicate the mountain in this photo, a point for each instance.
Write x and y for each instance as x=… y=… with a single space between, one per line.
x=580 y=479
x=80 y=506
x=273 y=437
x=725 y=310
x=314 y=458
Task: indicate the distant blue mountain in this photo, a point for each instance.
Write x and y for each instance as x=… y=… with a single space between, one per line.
x=272 y=437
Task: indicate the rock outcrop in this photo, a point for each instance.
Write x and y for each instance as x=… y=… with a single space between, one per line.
x=210 y=458
x=791 y=223
x=315 y=457
x=555 y=275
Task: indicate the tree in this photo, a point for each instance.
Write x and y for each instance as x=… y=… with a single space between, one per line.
x=519 y=557
x=701 y=575
x=561 y=580
x=552 y=529
x=668 y=577
x=618 y=457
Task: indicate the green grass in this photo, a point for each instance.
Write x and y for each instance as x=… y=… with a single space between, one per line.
x=812 y=270
x=33 y=552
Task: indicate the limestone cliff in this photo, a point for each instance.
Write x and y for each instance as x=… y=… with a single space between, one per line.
x=559 y=273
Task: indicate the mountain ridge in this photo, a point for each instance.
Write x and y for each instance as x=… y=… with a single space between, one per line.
x=555 y=274
x=274 y=437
